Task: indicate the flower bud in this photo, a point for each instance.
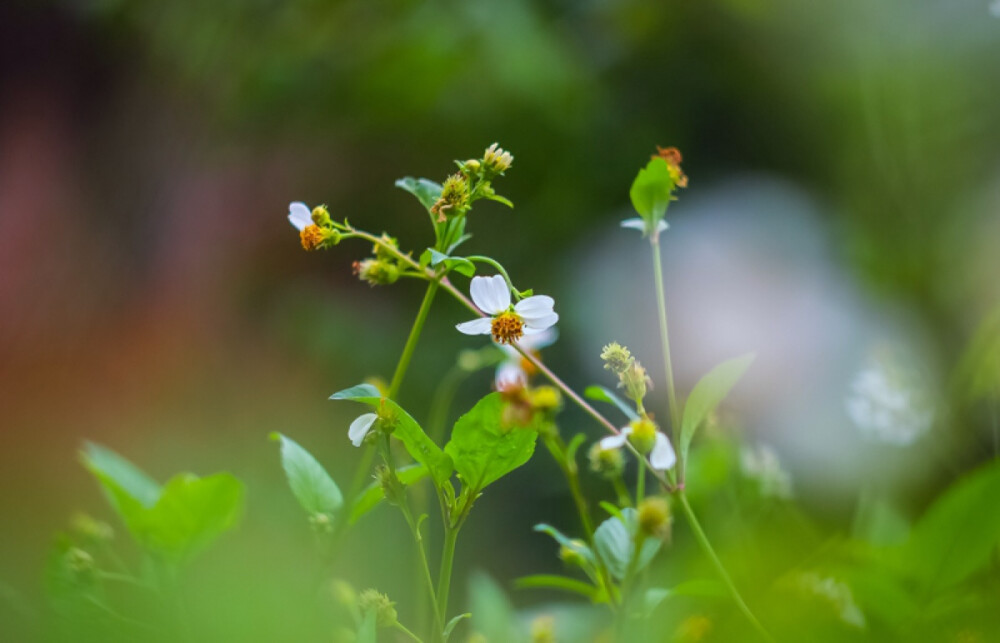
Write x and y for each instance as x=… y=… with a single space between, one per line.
x=496 y=159
x=321 y=523
x=385 y=610
x=391 y=485
x=454 y=199
x=635 y=381
x=377 y=272
x=643 y=435
x=543 y=629
x=343 y=594
x=80 y=565
x=616 y=358
x=471 y=166
x=654 y=517
x=384 y=251
x=609 y=463
x=571 y=555
x=546 y=399
x=321 y=216
x=673 y=157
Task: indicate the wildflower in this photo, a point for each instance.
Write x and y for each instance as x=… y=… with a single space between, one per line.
x=635 y=381
x=515 y=369
x=314 y=227
x=617 y=358
x=385 y=610
x=496 y=159
x=609 y=463
x=887 y=407
x=361 y=427
x=646 y=439
x=507 y=323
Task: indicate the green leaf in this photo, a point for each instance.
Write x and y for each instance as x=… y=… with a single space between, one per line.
x=311 y=484
x=450 y=627
x=958 y=534
x=126 y=476
x=554 y=581
x=614 y=541
x=707 y=394
x=500 y=199
x=420 y=447
x=373 y=495
x=455 y=244
x=483 y=448
x=574 y=446
x=492 y=613
x=601 y=394
x=578 y=546
x=426 y=191
x=460 y=265
x=651 y=190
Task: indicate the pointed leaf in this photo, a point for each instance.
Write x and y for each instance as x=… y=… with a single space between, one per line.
x=311 y=484
x=707 y=394
x=578 y=546
x=602 y=394
x=426 y=191
x=127 y=477
x=651 y=190
x=460 y=265
x=450 y=627
x=483 y=448
x=554 y=581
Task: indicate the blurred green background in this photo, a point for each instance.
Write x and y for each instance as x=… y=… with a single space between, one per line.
x=844 y=207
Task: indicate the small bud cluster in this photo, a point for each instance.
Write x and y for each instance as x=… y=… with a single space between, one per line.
x=392 y=487
x=631 y=375
x=496 y=160
x=91 y=530
x=321 y=523
x=643 y=435
x=654 y=517
x=385 y=610
x=454 y=199
x=609 y=463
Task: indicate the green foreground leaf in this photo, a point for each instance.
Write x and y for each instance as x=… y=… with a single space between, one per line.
x=707 y=394
x=311 y=484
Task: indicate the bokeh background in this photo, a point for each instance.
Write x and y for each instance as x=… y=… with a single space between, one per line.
x=843 y=218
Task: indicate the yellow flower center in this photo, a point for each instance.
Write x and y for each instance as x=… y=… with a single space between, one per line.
x=507 y=328
x=311 y=236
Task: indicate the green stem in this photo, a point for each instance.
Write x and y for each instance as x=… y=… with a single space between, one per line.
x=411 y=341
x=706 y=546
x=557 y=447
x=447 y=561
x=624 y=499
x=418 y=538
x=399 y=626
x=640 y=486
x=661 y=305
x=500 y=269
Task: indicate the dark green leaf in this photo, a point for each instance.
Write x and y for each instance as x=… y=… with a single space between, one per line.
x=457 y=242
x=601 y=394
x=651 y=190
x=960 y=531
x=707 y=394
x=373 y=495
x=483 y=449
x=460 y=265
x=311 y=484
x=426 y=191
x=420 y=447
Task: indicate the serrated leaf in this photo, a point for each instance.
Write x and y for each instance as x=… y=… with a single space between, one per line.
x=420 y=447
x=602 y=394
x=555 y=581
x=707 y=394
x=483 y=449
x=651 y=190
x=426 y=191
x=128 y=478
x=373 y=495
x=959 y=533
x=311 y=485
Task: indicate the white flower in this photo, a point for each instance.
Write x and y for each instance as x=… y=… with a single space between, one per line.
x=761 y=463
x=510 y=372
x=360 y=428
x=886 y=407
x=529 y=316
x=662 y=457
x=299 y=215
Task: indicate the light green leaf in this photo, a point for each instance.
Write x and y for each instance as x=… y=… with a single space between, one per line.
x=373 y=495
x=450 y=627
x=707 y=394
x=602 y=394
x=959 y=533
x=614 y=541
x=574 y=446
x=420 y=447
x=311 y=484
x=426 y=191
x=501 y=199
x=127 y=477
x=483 y=449
x=368 y=628
x=460 y=265
x=555 y=581
x=651 y=190
x=578 y=546
x=492 y=613
x=457 y=242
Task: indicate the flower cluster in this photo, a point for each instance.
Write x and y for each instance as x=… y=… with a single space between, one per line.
x=506 y=323
x=316 y=229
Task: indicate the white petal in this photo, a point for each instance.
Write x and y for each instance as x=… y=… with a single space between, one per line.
x=479 y=326
x=360 y=427
x=614 y=441
x=635 y=224
x=490 y=294
x=299 y=215
x=540 y=324
x=662 y=456
x=510 y=374
x=533 y=307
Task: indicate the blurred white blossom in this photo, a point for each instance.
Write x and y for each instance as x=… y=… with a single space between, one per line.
x=761 y=463
x=887 y=407
x=835 y=592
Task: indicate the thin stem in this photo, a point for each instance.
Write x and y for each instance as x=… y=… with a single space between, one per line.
x=557 y=447
x=399 y=626
x=415 y=530
x=447 y=561
x=624 y=499
x=411 y=341
x=640 y=486
x=661 y=305
x=706 y=546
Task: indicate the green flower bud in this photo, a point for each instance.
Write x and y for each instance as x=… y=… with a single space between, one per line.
x=616 y=358
x=80 y=565
x=635 y=381
x=545 y=399
x=471 y=166
x=384 y=251
x=543 y=629
x=321 y=216
x=321 y=523
x=643 y=435
x=391 y=485
x=377 y=272
x=609 y=463
x=385 y=610
x=654 y=517
x=496 y=160
x=454 y=199
x=572 y=555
